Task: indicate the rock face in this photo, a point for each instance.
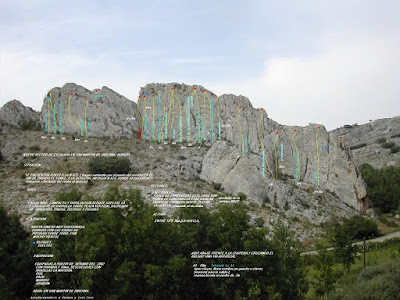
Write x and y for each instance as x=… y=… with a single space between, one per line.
x=364 y=138
x=13 y=112
x=248 y=153
x=75 y=110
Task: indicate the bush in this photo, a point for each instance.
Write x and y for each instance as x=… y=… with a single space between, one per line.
x=29 y=125
x=217 y=186
x=377 y=282
x=358 y=146
x=109 y=165
x=395 y=136
x=381 y=140
x=388 y=145
x=383 y=187
x=1 y=157
x=34 y=148
x=395 y=149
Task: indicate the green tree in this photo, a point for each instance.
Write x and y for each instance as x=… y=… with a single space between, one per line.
x=341 y=241
x=17 y=270
x=292 y=272
x=325 y=278
x=109 y=165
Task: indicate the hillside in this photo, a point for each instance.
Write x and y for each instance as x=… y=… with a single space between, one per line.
x=191 y=141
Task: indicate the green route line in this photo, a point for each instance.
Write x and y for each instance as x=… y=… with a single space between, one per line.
x=240 y=128
x=262 y=142
x=69 y=111
x=276 y=159
x=316 y=138
x=298 y=156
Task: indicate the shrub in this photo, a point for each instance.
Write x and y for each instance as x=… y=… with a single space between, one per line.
x=383 y=187
x=217 y=186
x=109 y=165
x=181 y=157
x=395 y=136
x=34 y=148
x=358 y=146
x=29 y=125
x=394 y=149
x=377 y=282
x=381 y=140
x=1 y=157
x=388 y=145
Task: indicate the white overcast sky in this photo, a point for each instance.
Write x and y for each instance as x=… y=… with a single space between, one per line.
x=329 y=62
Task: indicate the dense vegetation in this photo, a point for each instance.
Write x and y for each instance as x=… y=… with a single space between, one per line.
x=29 y=125
x=150 y=260
x=109 y=165
x=383 y=187
x=17 y=272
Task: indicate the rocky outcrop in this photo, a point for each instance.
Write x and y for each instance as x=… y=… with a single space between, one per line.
x=248 y=153
x=76 y=110
x=364 y=141
x=14 y=112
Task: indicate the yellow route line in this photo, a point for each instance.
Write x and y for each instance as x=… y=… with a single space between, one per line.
x=197 y=116
x=262 y=143
x=316 y=137
x=212 y=125
x=188 y=116
x=180 y=114
x=154 y=125
x=204 y=114
x=162 y=124
x=69 y=111
x=169 y=112
x=85 y=115
x=173 y=114
x=48 y=116
x=53 y=108
x=298 y=156
x=276 y=159
x=240 y=128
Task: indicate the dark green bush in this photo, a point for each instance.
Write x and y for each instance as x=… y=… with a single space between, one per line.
x=217 y=186
x=377 y=282
x=381 y=140
x=34 y=148
x=383 y=187
x=388 y=145
x=395 y=149
x=109 y=165
x=1 y=157
x=29 y=125
x=395 y=136
x=358 y=146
